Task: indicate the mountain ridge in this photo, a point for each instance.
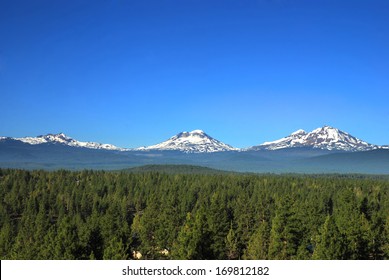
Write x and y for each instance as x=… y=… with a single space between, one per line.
x=61 y=138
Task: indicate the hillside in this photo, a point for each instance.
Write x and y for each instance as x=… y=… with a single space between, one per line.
x=174 y=169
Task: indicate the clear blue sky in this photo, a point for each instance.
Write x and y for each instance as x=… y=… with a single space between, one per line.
x=134 y=73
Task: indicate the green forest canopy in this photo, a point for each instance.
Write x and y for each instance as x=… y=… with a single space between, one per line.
x=112 y=215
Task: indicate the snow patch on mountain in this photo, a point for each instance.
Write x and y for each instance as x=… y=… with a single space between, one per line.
x=196 y=141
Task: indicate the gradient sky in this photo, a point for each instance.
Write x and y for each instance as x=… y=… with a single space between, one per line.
x=134 y=73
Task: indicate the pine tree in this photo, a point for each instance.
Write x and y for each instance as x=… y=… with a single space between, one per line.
x=232 y=250
x=5 y=240
x=353 y=225
x=66 y=240
x=385 y=246
x=258 y=246
x=115 y=250
x=331 y=244
x=219 y=224
x=193 y=242
x=284 y=234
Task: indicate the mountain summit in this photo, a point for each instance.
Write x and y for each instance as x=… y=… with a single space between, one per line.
x=196 y=141
x=326 y=138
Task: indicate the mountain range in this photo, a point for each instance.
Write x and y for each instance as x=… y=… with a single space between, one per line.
x=325 y=149
x=197 y=141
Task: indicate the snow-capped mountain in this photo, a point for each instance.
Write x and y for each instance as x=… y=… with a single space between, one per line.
x=326 y=138
x=196 y=141
x=61 y=138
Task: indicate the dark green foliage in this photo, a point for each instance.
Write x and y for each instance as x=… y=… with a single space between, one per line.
x=194 y=239
x=258 y=245
x=117 y=215
x=331 y=244
x=285 y=234
x=174 y=169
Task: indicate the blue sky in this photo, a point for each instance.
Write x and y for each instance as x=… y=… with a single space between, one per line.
x=134 y=73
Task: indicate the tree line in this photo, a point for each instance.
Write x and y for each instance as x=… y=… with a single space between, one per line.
x=152 y=215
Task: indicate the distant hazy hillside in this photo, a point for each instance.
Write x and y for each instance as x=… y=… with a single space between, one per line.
x=174 y=169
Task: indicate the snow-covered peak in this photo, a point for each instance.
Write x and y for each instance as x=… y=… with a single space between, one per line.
x=326 y=138
x=58 y=138
x=197 y=131
x=63 y=139
x=196 y=141
x=331 y=138
x=326 y=130
x=299 y=132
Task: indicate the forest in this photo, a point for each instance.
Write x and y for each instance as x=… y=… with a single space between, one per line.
x=156 y=215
